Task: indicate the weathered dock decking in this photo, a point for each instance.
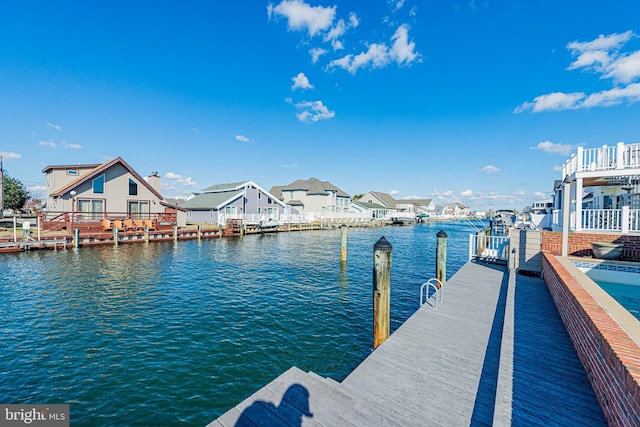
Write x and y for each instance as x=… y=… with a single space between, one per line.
x=494 y=353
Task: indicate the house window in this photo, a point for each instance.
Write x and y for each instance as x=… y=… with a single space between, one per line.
x=269 y=200
x=73 y=172
x=139 y=209
x=90 y=209
x=189 y=214
x=98 y=185
x=133 y=188
x=231 y=209
x=272 y=213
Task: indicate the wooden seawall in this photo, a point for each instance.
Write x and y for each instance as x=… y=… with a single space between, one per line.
x=495 y=352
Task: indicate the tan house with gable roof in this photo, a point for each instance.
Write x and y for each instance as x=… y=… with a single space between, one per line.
x=313 y=195
x=96 y=191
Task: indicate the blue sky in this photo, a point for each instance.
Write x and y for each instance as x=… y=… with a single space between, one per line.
x=479 y=102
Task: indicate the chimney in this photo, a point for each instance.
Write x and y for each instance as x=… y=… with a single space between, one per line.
x=154 y=181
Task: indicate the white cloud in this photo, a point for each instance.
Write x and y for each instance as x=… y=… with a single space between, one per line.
x=312 y=111
x=302 y=16
x=243 y=138
x=337 y=45
x=316 y=52
x=394 y=192
x=47 y=144
x=301 y=82
x=54 y=126
x=338 y=30
x=553 y=101
x=602 y=57
x=353 y=20
x=379 y=55
x=570 y=101
x=489 y=169
x=290 y=166
x=403 y=50
x=557 y=168
x=10 y=155
x=70 y=146
x=552 y=148
x=540 y=195
x=397 y=4
x=177 y=179
x=466 y=193
x=615 y=96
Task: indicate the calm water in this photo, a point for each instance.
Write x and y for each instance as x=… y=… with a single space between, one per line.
x=178 y=333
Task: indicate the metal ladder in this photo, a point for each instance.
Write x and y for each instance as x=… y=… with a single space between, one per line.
x=437 y=295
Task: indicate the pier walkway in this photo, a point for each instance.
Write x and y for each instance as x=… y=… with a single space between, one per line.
x=495 y=352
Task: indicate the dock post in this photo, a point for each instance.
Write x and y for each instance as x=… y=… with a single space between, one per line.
x=76 y=237
x=175 y=233
x=381 y=290
x=198 y=232
x=115 y=236
x=343 y=245
x=441 y=257
x=146 y=234
x=219 y=230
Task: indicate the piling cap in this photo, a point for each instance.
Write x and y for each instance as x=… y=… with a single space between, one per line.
x=441 y=233
x=382 y=245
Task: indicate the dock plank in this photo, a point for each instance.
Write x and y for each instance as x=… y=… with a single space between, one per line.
x=494 y=353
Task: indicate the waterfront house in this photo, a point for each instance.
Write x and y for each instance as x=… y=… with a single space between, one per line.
x=314 y=196
x=377 y=197
x=244 y=200
x=601 y=191
x=452 y=211
x=92 y=192
x=370 y=210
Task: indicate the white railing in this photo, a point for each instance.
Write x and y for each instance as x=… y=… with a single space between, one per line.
x=605 y=158
x=623 y=220
x=491 y=248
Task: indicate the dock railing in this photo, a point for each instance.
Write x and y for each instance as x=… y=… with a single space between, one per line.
x=488 y=248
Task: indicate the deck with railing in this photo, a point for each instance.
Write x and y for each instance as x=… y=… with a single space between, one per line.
x=621 y=157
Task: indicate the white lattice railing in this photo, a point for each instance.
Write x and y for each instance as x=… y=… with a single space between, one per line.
x=623 y=220
x=619 y=156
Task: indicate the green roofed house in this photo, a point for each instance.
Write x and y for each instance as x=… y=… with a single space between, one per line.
x=314 y=196
x=244 y=200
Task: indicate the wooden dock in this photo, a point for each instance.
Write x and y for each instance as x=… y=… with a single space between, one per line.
x=495 y=352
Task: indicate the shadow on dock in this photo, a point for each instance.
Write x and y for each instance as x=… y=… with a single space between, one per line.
x=495 y=352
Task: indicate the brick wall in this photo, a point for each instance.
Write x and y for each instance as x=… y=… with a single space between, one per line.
x=610 y=357
x=580 y=243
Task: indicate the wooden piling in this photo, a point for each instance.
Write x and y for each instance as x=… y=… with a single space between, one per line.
x=343 y=245
x=198 y=232
x=381 y=291
x=146 y=234
x=76 y=237
x=175 y=233
x=441 y=257
x=115 y=236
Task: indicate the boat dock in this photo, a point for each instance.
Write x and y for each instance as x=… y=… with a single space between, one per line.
x=494 y=352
